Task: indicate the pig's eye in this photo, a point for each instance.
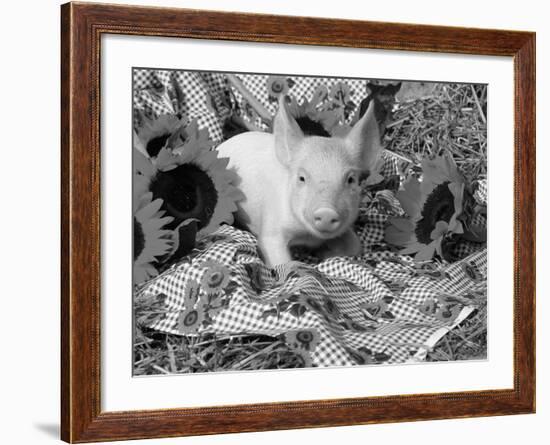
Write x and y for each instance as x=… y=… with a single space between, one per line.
x=352 y=180
x=302 y=178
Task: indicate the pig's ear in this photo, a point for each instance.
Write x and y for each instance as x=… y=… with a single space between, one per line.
x=288 y=134
x=363 y=140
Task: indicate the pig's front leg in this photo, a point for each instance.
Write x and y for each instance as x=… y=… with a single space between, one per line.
x=347 y=244
x=274 y=250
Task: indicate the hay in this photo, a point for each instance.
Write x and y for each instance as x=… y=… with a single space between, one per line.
x=452 y=118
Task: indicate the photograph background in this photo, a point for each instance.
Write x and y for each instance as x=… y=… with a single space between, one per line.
x=30 y=370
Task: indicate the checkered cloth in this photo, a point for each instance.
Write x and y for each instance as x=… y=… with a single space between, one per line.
x=203 y=94
x=303 y=87
x=380 y=307
x=206 y=95
x=376 y=302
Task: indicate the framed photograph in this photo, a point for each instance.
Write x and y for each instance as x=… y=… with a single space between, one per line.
x=275 y=222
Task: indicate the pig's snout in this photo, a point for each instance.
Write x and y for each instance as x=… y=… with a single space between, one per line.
x=326 y=219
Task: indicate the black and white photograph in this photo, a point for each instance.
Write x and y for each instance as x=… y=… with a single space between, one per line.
x=286 y=221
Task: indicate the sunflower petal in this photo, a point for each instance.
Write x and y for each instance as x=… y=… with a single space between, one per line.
x=141 y=199
x=412 y=248
x=163 y=124
x=149 y=211
x=452 y=170
x=403 y=224
x=457 y=189
x=142 y=196
x=166 y=160
x=209 y=161
x=410 y=196
x=439 y=169
x=426 y=253
x=138 y=145
x=143 y=272
x=397 y=237
x=142 y=164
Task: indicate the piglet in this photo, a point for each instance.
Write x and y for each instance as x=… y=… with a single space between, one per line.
x=302 y=190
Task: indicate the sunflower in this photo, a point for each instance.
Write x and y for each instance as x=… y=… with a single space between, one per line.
x=302 y=339
x=155 y=130
x=429 y=307
x=307 y=114
x=191 y=180
x=150 y=239
x=278 y=86
x=215 y=278
x=314 y=119
x=155 y=134
x=434 y=208
x=190 y=320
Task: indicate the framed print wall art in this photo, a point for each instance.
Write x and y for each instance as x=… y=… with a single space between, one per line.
x=276 y=222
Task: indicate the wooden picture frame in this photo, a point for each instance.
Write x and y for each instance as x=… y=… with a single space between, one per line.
x=82 y=26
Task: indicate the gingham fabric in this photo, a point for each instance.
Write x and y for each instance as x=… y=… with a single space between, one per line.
x=380 y=307
x=380 y=302
x=153 y=94
x=303 y=87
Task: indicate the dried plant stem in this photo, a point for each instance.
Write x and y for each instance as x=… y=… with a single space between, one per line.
x=266 y=350
x=481 y=114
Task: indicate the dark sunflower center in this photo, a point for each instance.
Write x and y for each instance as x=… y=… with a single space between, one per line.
x=311 y=127
x=277 y=87
x=304 y=336
x=439 y=206
x=187 y=192
x=215 y=278
x=191 y=318
x=139 y=239
x=155 y=145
